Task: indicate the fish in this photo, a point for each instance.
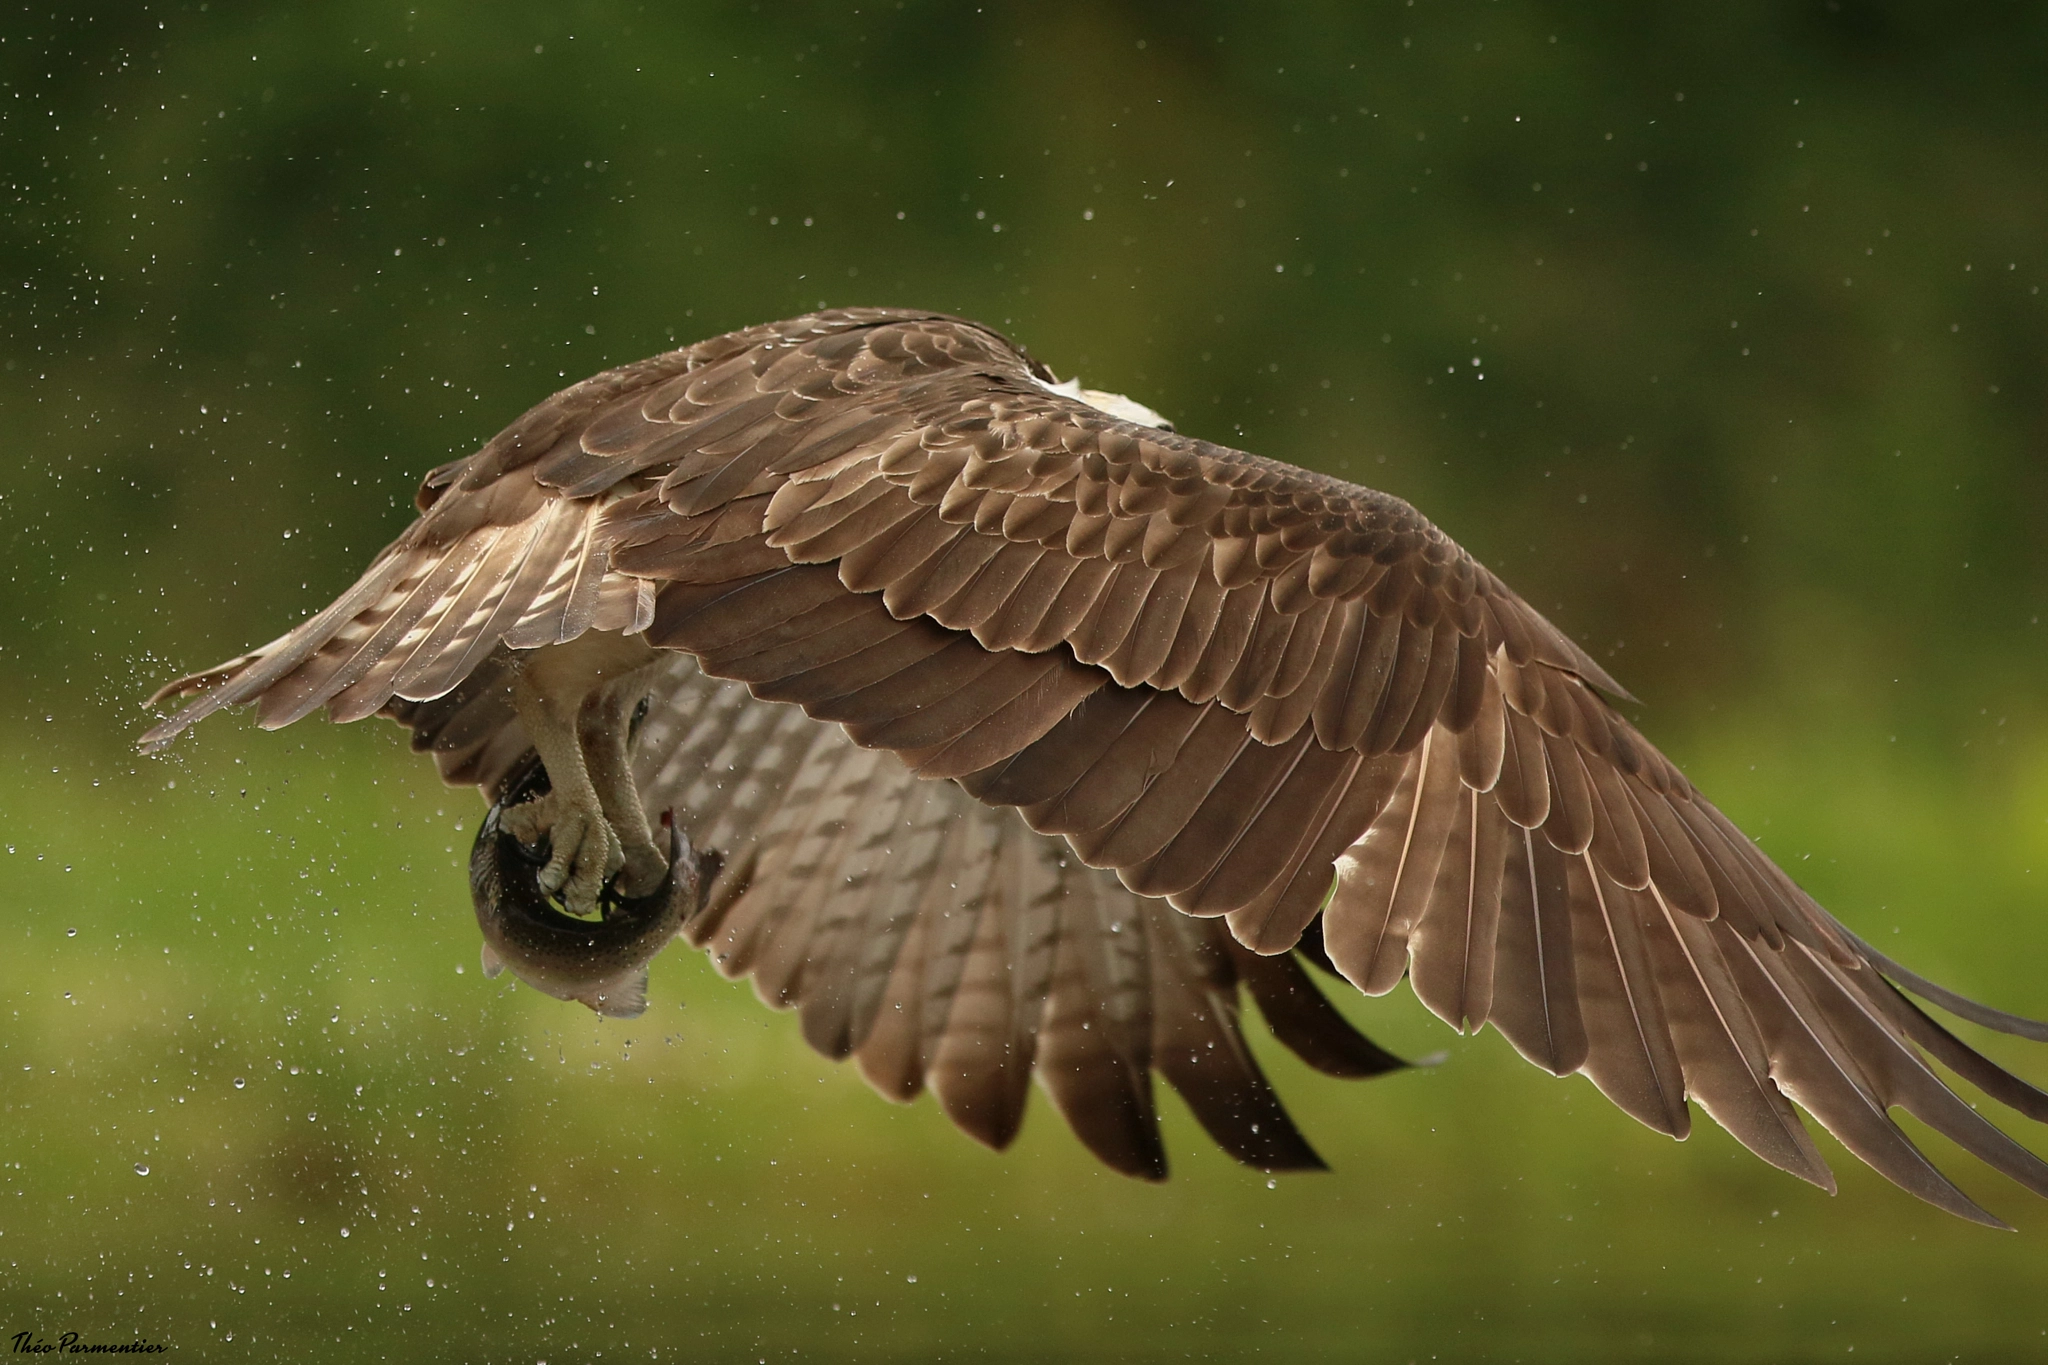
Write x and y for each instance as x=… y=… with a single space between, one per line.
x=600 y=962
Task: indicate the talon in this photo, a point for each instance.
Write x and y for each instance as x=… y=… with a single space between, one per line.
x=580 y=852
x=586 y=854
x=642 y=869
x=528 y=822
x=603 y=962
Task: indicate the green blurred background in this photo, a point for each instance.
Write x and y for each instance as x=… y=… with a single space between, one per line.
x=1720 y=334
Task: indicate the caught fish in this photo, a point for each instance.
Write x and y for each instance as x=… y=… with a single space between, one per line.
x=600 y=962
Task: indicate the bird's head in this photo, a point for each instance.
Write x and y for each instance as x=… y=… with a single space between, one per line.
x=1115 y=404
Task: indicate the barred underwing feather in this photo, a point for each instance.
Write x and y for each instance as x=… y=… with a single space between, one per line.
x=1302 y=1017
x=981 y=1065
x=894 y=865
x=891 y=1058
x=1198 y=1047
x=863 y=914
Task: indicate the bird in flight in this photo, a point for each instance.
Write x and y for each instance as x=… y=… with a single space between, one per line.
x=997 y=728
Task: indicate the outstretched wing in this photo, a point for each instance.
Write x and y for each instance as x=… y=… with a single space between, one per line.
x=938 y=941
x=1218 y=676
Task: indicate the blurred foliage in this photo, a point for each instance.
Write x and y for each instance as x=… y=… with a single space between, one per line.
x=1717 y=332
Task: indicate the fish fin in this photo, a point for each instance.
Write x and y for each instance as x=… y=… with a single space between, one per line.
x=494 y=966
x=623 y=999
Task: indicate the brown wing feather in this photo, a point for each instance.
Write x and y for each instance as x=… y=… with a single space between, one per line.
x=1209 y=673
x=947 y=946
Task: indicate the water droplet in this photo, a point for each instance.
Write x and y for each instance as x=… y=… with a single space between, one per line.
x=1272 y=1184
x=142 y=1168
x=344 y=1232
x=71 y=933
x=239 y=1082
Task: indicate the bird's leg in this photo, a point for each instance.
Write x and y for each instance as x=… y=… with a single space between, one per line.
x=604 y=729
x=583 y=851
x=573 y=701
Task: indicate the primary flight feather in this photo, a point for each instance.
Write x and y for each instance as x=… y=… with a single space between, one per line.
x=1026 y=732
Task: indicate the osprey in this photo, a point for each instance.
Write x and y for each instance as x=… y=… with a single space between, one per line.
x=1021 y=733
